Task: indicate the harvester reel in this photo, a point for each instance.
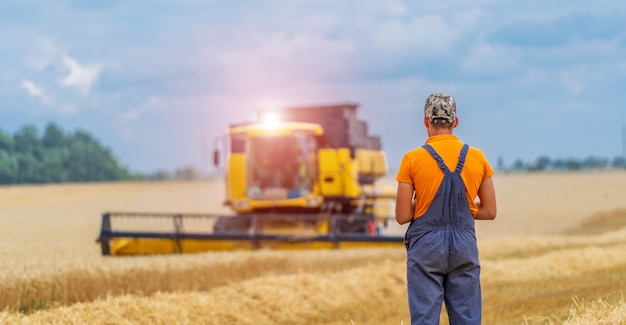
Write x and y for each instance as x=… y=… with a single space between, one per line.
x=234 y=224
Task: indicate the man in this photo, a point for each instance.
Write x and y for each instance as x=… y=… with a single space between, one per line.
x=437 y=187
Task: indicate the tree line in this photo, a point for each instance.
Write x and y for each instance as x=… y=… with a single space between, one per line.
x=545 y=163
x=55 y=156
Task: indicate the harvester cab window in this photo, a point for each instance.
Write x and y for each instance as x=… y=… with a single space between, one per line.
x=280 y=167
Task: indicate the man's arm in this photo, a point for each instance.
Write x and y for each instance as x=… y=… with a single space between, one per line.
x=405 y=205
x=487 y=206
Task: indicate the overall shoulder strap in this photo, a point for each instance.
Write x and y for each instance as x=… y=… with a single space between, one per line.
x=462 y=155
x=437 y=158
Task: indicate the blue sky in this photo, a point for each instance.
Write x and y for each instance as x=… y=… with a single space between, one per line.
x=157 y=81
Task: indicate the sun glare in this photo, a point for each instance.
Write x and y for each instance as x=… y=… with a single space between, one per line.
x=270 y=119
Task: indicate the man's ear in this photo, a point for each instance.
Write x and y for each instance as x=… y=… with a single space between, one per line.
x=426 y=122
x=456 y=122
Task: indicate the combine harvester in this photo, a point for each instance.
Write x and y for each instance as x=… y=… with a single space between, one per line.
x=299 y=178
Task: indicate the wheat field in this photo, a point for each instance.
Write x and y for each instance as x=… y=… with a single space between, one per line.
x=554 y=255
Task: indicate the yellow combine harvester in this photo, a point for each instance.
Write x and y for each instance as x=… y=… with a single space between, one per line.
x=299 y=178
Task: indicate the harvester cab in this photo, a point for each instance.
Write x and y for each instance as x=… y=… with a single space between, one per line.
x=301 y=177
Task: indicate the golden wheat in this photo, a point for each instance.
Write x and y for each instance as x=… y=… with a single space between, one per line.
x=600 y=311
x=557 y=236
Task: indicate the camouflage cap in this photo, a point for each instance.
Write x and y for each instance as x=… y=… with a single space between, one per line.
x=440 y=108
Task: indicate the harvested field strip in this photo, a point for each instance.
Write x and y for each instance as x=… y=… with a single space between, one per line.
x=549 y=298
x=70 y=284
x=527 y=246
x=366 y=286
x=540 y=287
x=602 y=221
x=285 y=299
x=366 y=295
x=557 y=264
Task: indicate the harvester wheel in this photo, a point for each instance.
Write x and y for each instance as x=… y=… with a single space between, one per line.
x=232 y=224
x=353 y=225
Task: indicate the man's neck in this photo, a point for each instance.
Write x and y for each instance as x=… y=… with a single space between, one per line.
x=438 y=131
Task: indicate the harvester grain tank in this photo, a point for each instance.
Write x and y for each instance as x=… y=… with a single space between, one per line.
x=302 y=177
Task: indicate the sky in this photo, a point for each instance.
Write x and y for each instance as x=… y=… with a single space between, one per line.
x=158 y=81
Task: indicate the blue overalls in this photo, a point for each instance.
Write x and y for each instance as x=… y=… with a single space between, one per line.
x=442 y=254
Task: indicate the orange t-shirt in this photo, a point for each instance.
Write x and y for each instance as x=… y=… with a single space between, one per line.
x=420 y=169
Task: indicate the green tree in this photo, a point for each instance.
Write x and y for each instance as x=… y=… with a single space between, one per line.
x=595 y=163
x=27 y=140
x=6 y=142
x=28 y=157
x=542 y=163
x=29 y=168
x=8 y=167
x=53 y=136
x=88 y=160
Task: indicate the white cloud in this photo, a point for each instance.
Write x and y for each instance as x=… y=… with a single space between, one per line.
x=396 y=8
x=37 y=63
x=573 y=81
x=47 y=99
x=82 y=77
x=487 y=58
x=281 y=59
x=32 y=89
x=151 y=104
x=130 y=115
x=422 y=35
